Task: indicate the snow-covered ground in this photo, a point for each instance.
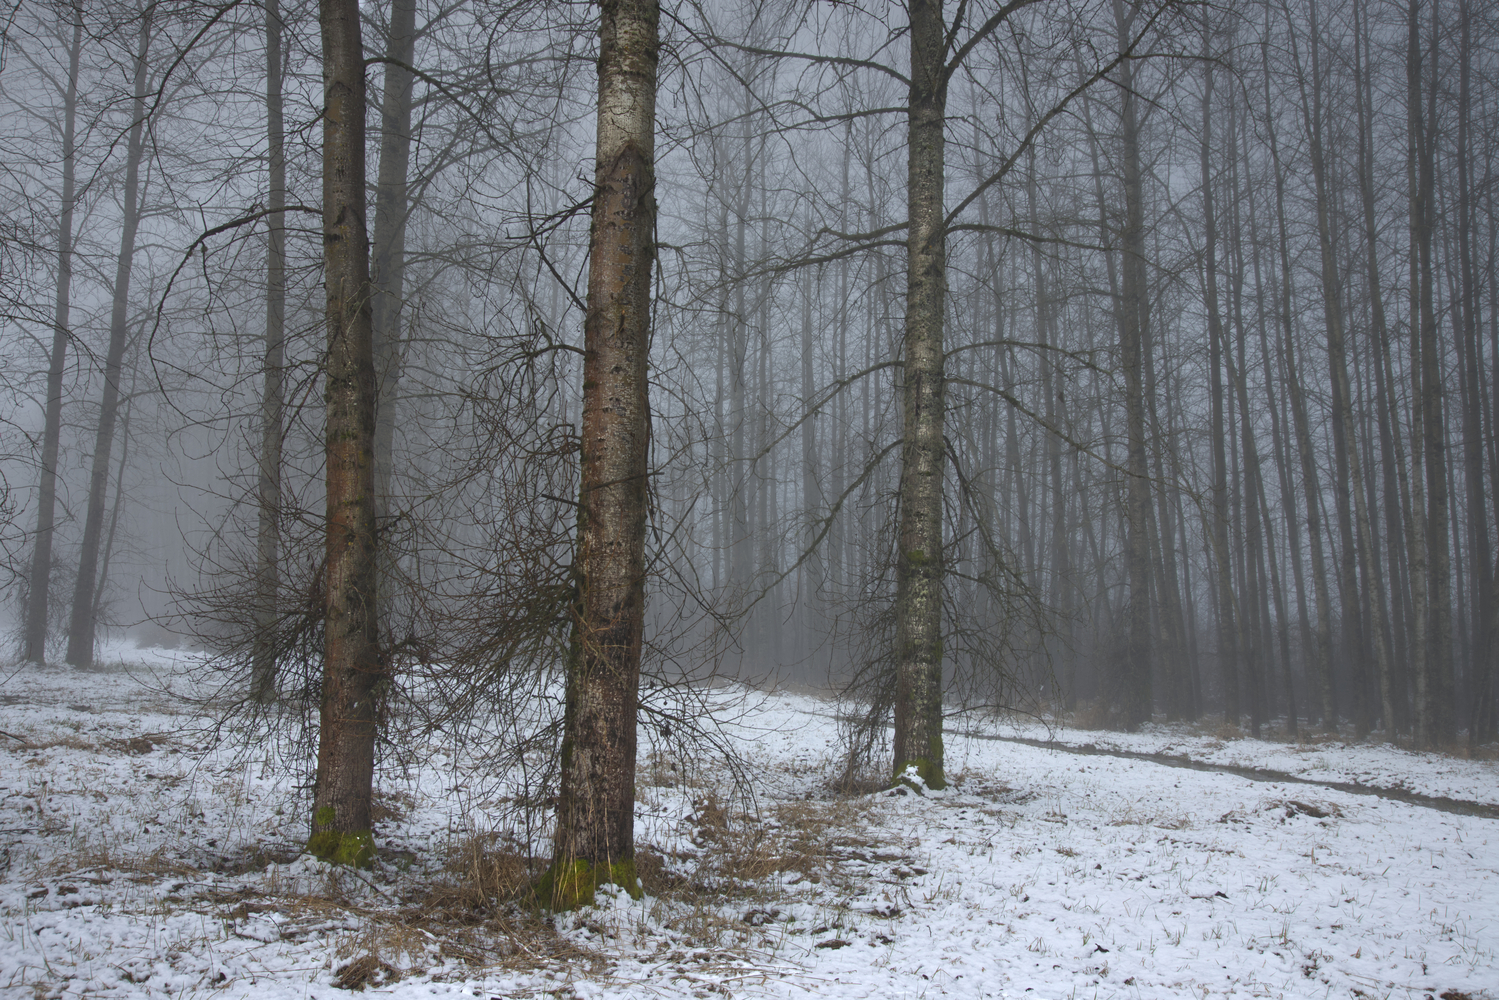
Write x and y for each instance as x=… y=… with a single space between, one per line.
x=138 y=861
x=1317 y=757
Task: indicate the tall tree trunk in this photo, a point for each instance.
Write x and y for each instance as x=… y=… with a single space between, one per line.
x=1227 y=605
x=1287 y=491
x=81 y=626
x=40 y=579
x=1132 y=692
x=272 y=393
x=1357 y=553
x=741 y=545
x=811 y=471
x=388 y=267
x=354 y=672
x=1391 y=679
x=1416 y=536
x=1060 y=590
x=919 y=569
x=1320 y=670
x=595 y=836
x=1439 y=724
x=1258 y=649
x=1484 y=658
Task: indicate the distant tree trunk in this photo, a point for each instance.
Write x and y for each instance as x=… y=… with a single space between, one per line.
x=919 y=569
x=1484 y=658
x=1437 y=705
x=1132 y=697
x=811 y=471
x=1227 y=604
x=741 y=534
x=1061 y=573
x=1416 y=537
x=106 y=550
x=1357 y=552
x=1287 y=491
x=388 y=268
x=1320 y=669
x=40 y=579
x=595 y=836
x=272 y=393
x=81 y=628
x=354 y=673
x=1391 y=678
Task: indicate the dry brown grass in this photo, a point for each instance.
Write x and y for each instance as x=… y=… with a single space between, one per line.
x=1093 y=716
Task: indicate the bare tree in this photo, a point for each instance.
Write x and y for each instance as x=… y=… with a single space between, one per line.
x=354 y=672
x=40 y=579
x=82 y=627
x=595 y=842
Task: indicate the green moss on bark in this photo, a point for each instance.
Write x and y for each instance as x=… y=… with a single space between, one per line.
x=929 y=771
x=570 y=885
x=355 y=849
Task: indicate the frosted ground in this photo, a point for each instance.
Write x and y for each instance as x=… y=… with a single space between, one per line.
x=141 y=860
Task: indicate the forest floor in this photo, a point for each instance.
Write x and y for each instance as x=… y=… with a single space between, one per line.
x=145 y=856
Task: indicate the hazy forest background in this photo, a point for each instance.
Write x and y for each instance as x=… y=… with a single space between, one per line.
x=1221 y=320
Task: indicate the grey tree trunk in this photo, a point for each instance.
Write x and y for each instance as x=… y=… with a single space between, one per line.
x=1484 y=658
x=354 y=672
x=81 y=626
x=811 y=470
x=40 y=579
x=919 y=570
x=1391 y=680
x=1320 y=668
x=1435 y=682
x=1357 y=552
x=106 y=549
x=1227 y=604
x=595 y=839
x=1132 y=694
x=388 y=267
x=272 y=392
x=1416 y=537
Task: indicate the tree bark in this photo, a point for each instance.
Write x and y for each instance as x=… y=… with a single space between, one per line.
x=272 y=393
x=1321 y=653
x=594 y=842
x=81 y=628
x=1132 y=693
x=40 y=579
x=388 y=268
x=354 y=673
x=1227 y=604
x=1484 y=659
x=919 y=569
x=1357 y=552
x=1435 y=682
x=1391 y=681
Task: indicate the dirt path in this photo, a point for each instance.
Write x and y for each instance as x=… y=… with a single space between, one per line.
x=1460 y=807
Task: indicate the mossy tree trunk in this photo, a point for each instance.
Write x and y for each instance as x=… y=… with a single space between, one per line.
x=595 y=836
x=352 y=666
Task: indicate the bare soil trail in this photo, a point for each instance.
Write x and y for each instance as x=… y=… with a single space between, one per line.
x=1460 y=807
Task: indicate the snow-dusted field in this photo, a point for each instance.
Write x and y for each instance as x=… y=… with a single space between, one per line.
x=138 y=862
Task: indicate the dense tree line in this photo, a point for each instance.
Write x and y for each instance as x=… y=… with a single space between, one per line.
x=1123 y=361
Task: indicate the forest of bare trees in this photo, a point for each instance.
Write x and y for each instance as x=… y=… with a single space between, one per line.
x=1121 y=361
